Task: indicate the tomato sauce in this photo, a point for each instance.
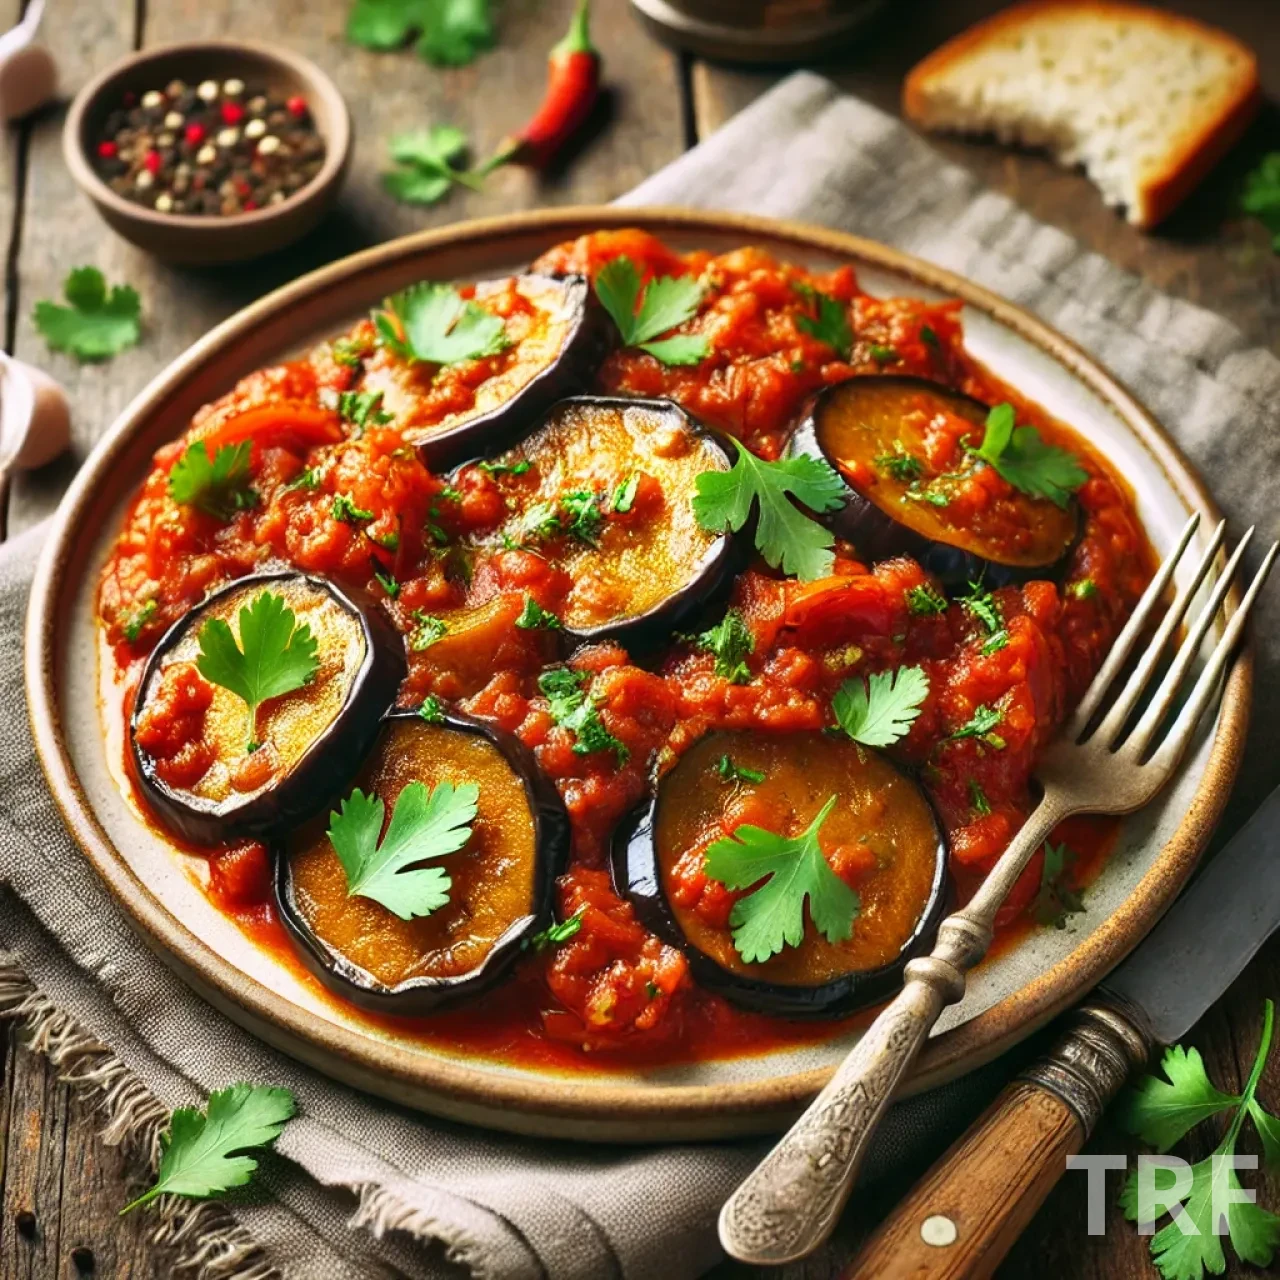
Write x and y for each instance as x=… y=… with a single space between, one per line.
x=614 y=994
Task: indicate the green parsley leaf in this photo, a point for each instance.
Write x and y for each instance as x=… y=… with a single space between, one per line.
x=978 y=798
x=426 y=169
x=455 y=31
x=730 y=641
x=624 y=496
x=932 y=496
x=432 y=709
x=1083 y=589
x=772 y=916
x=882 y=354
x=996 y=641
x=785 y=536
x=505 y=468
x=585 y=515
x=345 y=510
x=533 y=617
x=642 y=315
x=97 y=324
x=980 y=725
x=439 y=326
x=929 y=337
x=1163 y=1112
x=389 y=541
x=831 y=325
x=1056 y=899
x=571 y=708
x=383 y=24
x=347 y=353
x=901 y=465
x=219 y=486
x=982 y=604
x=387 y=582
x=199 y=1157
x=428 y=631
x=731 y=772
x=924 y=600
x=307 y=479
x=883 y=709
x=1026 y=461
x=278 y=655
x=361 y=408
x=139 y=618
x=1261 y=196
x=561 y=931
x=425 y=823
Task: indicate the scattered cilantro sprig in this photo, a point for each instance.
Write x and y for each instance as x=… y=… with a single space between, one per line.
x=1057 y=898
x=831 y=324
x=1024 y=460
x=730 y=771
x=882 y=710
x=730 y=641
x=437 y=325
x=785 y=536
x=1261 y=196
x=450 y=32
x=363 y=409
x=925 y=600
x=218 y=485
x=533 y=617
x=554 y=934
x=981 y=725
x=644 y=314
x=139 y=618
x=426 y=168
x=96 y=323
x=572 y=708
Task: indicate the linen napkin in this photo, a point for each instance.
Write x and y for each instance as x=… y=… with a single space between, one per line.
x=361 y=1188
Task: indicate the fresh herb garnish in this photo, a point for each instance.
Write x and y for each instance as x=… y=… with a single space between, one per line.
x=389 y=541
x=361 y=408
x=553 y=935
x=505 y=468
x=139 y=618
x=427 y=632
x=571 y=708
x=1161 y=1112
x=831 y=325
x=978 y=798
x=1083 y=589
x=347 y=353
x=279 y=655
x=882 y=354
x=308 y=478
x=425 y=823
x=97 y=324
x=932 y=496
x=785 y=536
x=1261 y=196
x=729 y=771
x=584 y=515
x=981 y=725
x=344 y=509
x=1029 y=464
x=982 y=604
x=925 y=600
x=451 y=32
x=929 y=337
x=198 y=1153
x=772 y=915
x=996 y=641
x=539 y=521
x=432 y=709
x=624 y=496
x=438 y=326
x=880 y=711
x=730 y=640
x=387 y=582
x=1056 y=899
x=426 y=169
x=533 y=617
x=642 y=315
x=219 y=486
x=900 y=465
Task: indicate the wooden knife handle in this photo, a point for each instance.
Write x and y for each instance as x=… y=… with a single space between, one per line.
x=961 y=1219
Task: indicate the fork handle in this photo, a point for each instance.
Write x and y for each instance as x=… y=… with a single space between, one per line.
x=788 y=1205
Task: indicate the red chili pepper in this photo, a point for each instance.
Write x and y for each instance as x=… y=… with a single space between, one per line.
x=573 y=84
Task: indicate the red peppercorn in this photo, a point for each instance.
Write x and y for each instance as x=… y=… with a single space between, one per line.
x=194 y=134
x=108 y=150
x=152 y=161
x=297 y=106
x=249 y=206
x=232 y=113
x=243 y=188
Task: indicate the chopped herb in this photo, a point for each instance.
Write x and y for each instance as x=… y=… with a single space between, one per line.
x=449 y=494
x=344 y=509
x=362 y=408
x=585 y=517
x=980 y=725
x=996 y=641
x=652 y=990
x=928 y=337
x=924 y=600
x=831 y=325
x=555 y=934
x=982 y=604
x=731 y=772
x=450 y=32
x=978 y=798
x=97 y=324
x=1024 y=460
x=880 y=711
x=931 y=496
x=346 y=352
x=139 y=618
x=538 y=522
x=624 y=496
x=218 y=486
x=389 y=541
x=427 y=632
x=432 y=709
x=388 y=583
x=571 y=708
x=797 y=366
x=505 y=468
x=1084 y=589
x=730 y=640
x=534 y=617
x=900 y=465
x=643 y=314
x=1261 y=196
x=438 y=326
x=308 y=478
x=881 y=354
x=1056 y=898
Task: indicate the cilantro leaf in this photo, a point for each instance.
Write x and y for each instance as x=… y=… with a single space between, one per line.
x=139 y=618
x=785 y=536
x=642 y=316
x=585 y=515
x=279 y=655
x=730 y=641
x=219 y=486
x=533 y=617
x=981 y=725
x=361 y=408
x=624 y=496
x=924 y=600
x=382 y=24
x=996 y=641
x=505 y=468
x=198 y=1157
x=978 y=798
x=554 y=934
x=426 y=169
x=455 y=31
x=730 y=771
x=432 y=709
x=347 y=353
x=882 y=354
x=97 y=324
x=1163 y=1112
x=425 y=823
x=831 y=325
x=1056 y=899
x=344 y=509
x=1261 y=196
x=1082 y=589
x=387 y=581
x=982 y=604
x=428 y=631
x=1026 y=461
x=883 y=709
x=438 y=326
x=772 y=916
x=572 y=709
x=307 y=479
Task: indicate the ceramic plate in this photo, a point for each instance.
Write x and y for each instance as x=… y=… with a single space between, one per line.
x=1008 y=997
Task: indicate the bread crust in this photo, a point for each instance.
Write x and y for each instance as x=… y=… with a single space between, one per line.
x=1187 y=164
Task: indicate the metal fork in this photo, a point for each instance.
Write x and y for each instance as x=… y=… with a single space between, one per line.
x=789 y=1205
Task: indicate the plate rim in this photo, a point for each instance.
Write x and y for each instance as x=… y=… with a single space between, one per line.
x=598 y=1105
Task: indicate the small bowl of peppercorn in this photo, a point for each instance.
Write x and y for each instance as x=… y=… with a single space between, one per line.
x=208 y=152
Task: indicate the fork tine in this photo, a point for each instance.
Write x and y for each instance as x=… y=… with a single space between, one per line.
x=1127 y=638
x=1206 y=686
x=1108 y=732
x=1145 y=729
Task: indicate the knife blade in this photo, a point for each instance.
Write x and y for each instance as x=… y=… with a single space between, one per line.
x=960 y=1220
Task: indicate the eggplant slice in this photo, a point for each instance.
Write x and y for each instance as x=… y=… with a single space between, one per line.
x=872 y=430
x=502 y=879
x=205 y=783
x=568 y=338
x=882 y=819
x=607 y=495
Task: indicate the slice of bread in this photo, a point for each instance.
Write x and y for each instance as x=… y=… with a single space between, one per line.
x=1148 y=102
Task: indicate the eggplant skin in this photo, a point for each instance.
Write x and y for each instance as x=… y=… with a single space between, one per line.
x=422 y=995
x=330 y=762
x=589 y=340
x=637 y=877
x=877 y=536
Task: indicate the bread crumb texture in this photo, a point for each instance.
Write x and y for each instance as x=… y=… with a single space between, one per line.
x=1145 y=101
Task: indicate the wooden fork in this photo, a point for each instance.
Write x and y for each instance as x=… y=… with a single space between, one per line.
x=789 y=1205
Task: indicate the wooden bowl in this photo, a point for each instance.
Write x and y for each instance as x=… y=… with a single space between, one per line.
x=193 y=239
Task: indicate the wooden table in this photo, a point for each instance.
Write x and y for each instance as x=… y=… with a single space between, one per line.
x=661 y=103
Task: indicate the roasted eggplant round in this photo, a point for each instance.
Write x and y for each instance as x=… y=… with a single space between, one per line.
x=884 y=434
x=603 y=487
x=217 y=771
x=501 y=879
x=564 y=333
x=881 y=837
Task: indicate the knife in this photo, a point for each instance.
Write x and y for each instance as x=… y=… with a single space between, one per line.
x=962 y=1218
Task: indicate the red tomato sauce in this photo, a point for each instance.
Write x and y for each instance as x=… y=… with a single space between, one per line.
x=614 y=993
